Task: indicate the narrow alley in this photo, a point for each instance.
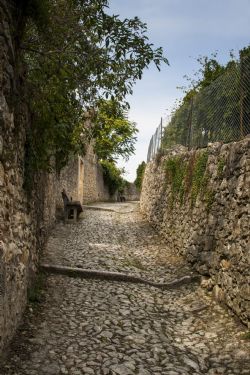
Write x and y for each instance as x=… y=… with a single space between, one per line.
x=116 y=328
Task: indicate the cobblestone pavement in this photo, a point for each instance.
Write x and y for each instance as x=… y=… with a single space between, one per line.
x=116 y=328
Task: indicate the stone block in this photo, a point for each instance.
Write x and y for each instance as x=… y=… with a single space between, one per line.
x=207 y=283
x=2 y=175
x=225 y=264
x=1 y=146
x=218 y=294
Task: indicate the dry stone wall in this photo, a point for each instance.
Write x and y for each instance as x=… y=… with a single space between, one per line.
x=24 y=216
x=199 y=201
x=16 y=226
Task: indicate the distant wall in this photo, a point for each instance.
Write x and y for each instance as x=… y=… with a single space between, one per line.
x=131 y=193
x=83 y=180
x=94 y=188
x=200 y=203
x=68 y=180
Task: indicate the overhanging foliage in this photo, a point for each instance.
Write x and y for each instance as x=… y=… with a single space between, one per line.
x=76 y=53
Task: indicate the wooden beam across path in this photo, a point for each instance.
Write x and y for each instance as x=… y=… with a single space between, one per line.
x=115 y=276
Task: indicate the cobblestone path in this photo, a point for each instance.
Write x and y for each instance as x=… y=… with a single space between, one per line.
x=116 y=328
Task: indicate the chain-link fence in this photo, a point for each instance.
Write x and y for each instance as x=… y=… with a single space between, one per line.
x=219 y=112
x=155 y=142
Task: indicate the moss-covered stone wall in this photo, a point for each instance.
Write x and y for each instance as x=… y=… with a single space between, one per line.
x=200 y=202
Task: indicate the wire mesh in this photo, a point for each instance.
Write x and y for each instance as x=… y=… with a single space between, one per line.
x=219 y=112
x=155 y=143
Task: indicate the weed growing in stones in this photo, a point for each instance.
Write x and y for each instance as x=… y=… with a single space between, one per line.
x=246 y=336
x=220 y=167
x=35 y=291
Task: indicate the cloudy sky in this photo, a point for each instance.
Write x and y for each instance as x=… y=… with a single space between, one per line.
x=185 y=29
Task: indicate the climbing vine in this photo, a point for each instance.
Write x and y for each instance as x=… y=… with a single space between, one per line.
x=199 y=177
x=176 y=170
x=188 y=178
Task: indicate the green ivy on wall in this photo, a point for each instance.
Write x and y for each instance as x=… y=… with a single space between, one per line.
x=189 y=178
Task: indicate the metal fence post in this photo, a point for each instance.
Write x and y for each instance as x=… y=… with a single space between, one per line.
x=241 y=98
x=190 y=124
x=161 y=134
